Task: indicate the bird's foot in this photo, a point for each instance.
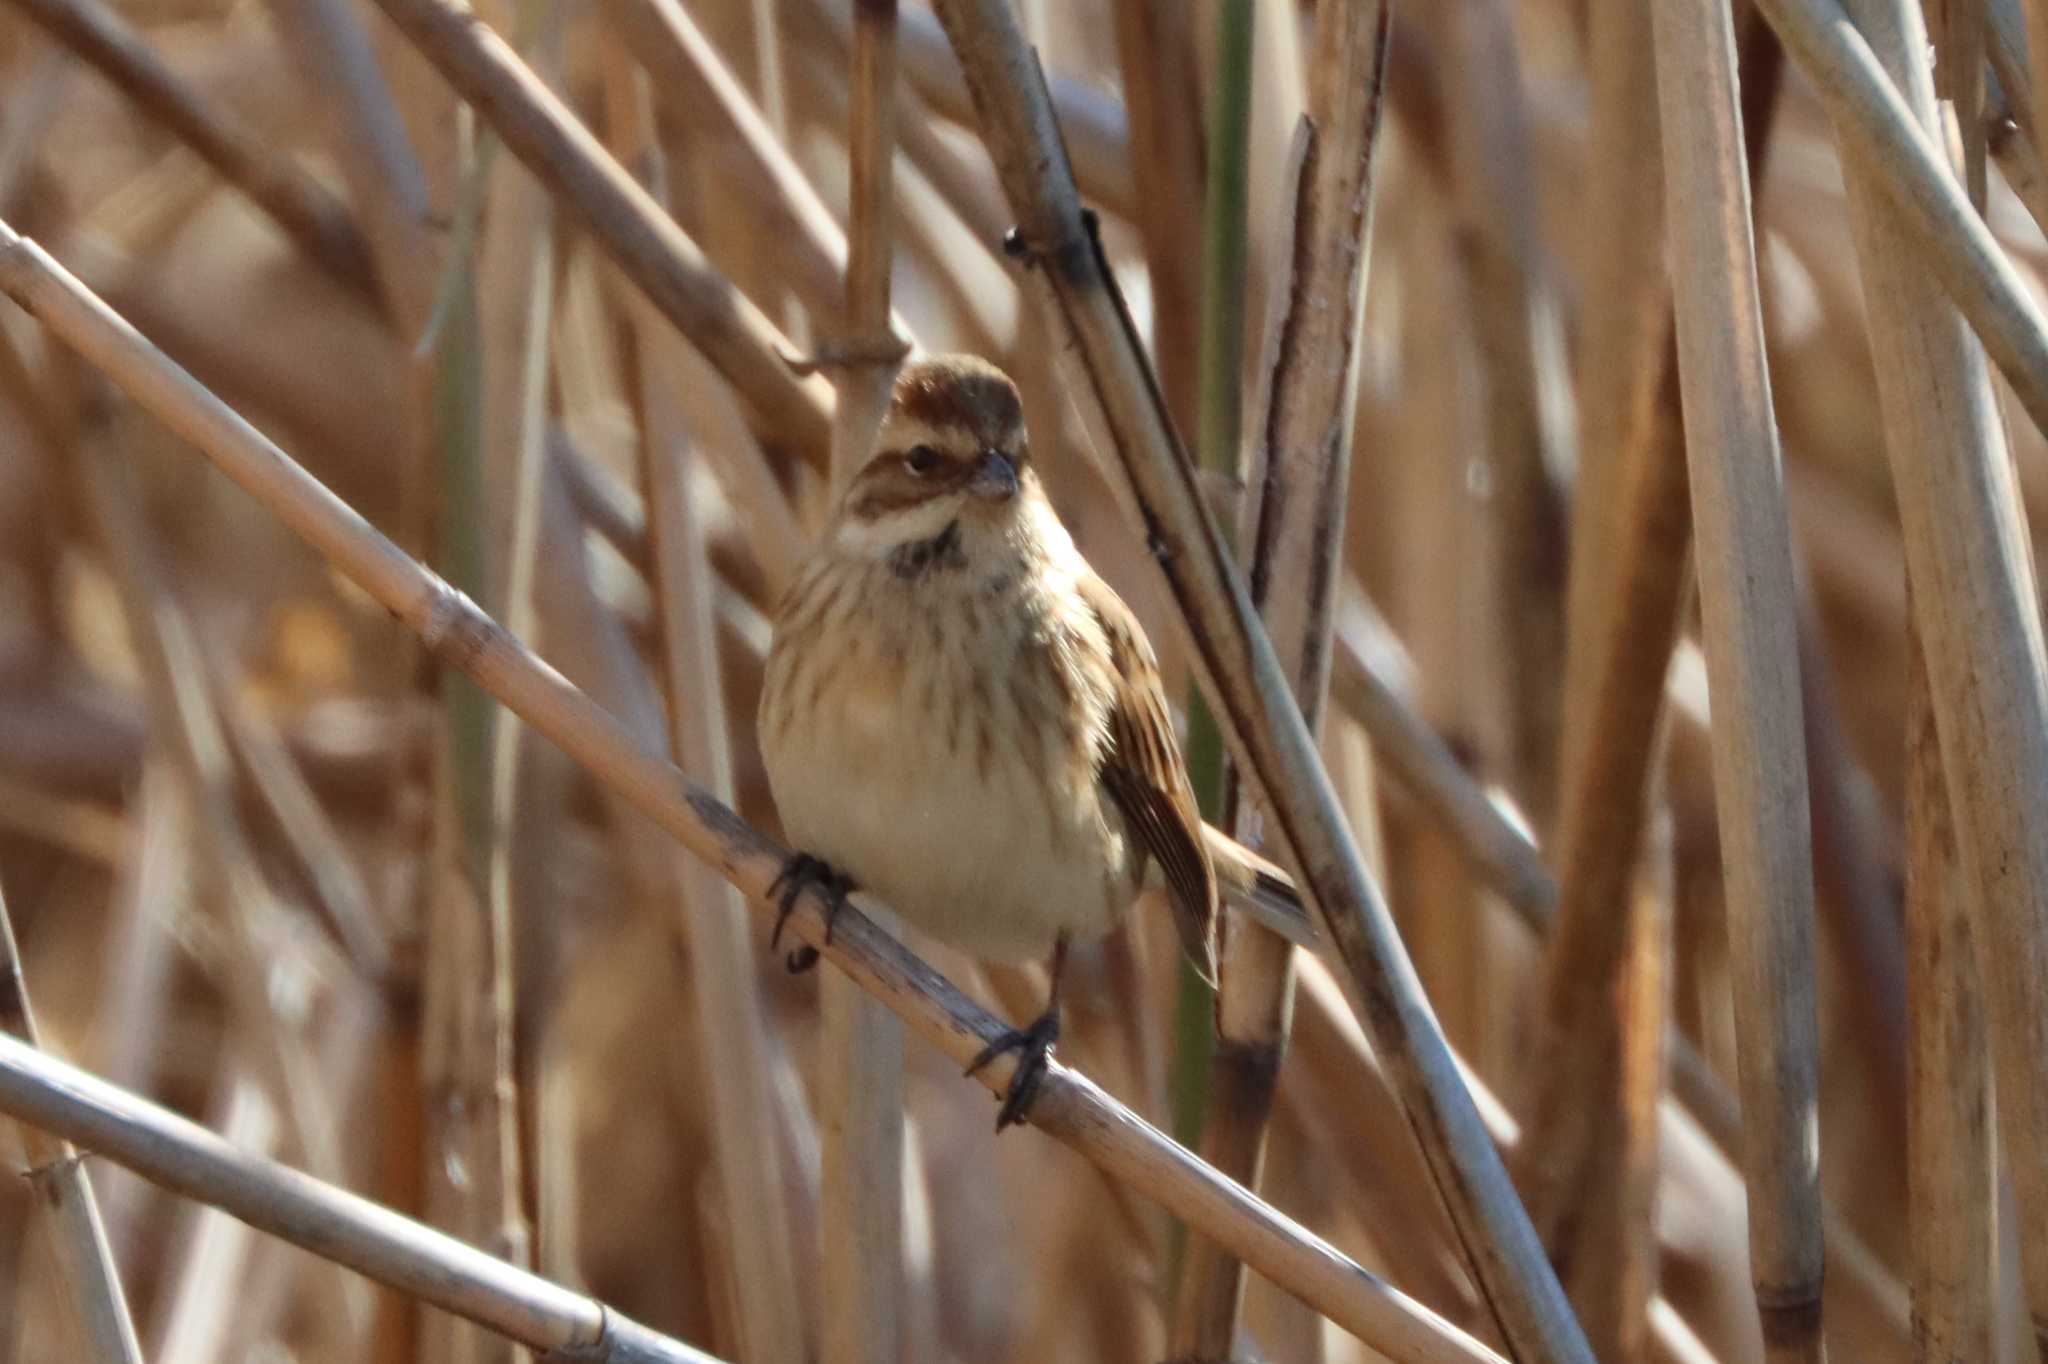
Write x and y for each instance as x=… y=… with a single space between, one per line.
x=805 y=870
x=1035 y=1043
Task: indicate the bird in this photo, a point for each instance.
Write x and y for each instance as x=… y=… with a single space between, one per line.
x=959 y=716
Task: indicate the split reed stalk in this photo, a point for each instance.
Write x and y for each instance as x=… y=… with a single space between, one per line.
x=1303 y=423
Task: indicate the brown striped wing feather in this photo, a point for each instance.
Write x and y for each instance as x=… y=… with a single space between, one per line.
x=1145 y=776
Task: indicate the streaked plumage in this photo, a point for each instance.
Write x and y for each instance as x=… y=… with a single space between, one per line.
x=962 y=717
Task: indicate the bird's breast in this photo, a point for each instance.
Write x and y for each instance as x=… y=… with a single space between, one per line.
x=945 y=757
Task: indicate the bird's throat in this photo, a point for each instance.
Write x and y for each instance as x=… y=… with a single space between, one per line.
x=915 y=559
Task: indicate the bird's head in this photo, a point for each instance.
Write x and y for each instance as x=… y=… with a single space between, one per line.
x=950 y=460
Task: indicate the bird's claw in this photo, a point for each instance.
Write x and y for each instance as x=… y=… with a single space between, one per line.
x=1035 y=1043
x=800 y=871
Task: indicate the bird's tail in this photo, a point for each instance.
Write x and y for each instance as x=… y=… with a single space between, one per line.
x=1259 y=888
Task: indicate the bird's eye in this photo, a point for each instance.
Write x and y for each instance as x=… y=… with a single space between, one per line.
x=922 y=459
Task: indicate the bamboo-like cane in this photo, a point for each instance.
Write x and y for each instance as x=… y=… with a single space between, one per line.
x=63 y=1192
x=1121 y=404
x=1974 y=603
x=337 y=1225
x=1068 y=1107
x=1880 y=131
x=642 y=240
x=304 y=209
x=1304 y=429
x=1745 y=575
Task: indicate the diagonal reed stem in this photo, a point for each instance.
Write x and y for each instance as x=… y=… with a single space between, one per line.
x=305 y=210
x=1906 y=168
x=337 y=1225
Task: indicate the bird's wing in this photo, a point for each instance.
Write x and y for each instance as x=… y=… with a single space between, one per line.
x=1144 y=775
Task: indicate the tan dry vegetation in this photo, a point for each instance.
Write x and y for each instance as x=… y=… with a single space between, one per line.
x=279 y=867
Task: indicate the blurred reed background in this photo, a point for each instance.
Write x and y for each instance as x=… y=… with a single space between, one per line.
x=271 y=865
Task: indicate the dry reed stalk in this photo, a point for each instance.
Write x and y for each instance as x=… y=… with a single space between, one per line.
x=861 y=1092
x=1627 y=299
x=1881 y=133
x=1122 y=408
x=469 y=1153
x=1156 y=56
x=151 y=892
x=1974 y=603
x=948 y=226
x=2008 y=97
x=337 y=1225
x=167 y=645
x=1859 y=905
x=1949 y=1169
x=1303 y=427
x=968 y=188
x=2020 y=28
x=196 y=1322
x=371 y=147
x=688 y=72
x=81 y=828
x=1371 y=676
x=642 y=240
x=1591 y=1154
x=1493 y=205
x=303 y=209
x=1095 y=127
x=1068 y=1107
x=1333 y=1055
x=514 y=299
x=1745 y=576
x=315 y=845
x=753 y=1202
x=57 y=1179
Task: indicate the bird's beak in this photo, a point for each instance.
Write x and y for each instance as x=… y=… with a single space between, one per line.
x=995 y=478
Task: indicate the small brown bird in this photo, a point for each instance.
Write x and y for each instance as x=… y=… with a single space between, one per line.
x=961 y=717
